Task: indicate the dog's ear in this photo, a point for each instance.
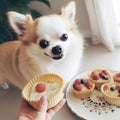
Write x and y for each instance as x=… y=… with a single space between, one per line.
x=18 y=22
x=70 y=10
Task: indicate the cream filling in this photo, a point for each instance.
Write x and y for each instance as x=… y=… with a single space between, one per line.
x=51 y=90
x=112 y=93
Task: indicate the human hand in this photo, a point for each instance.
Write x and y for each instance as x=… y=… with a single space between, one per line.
x=29 y=113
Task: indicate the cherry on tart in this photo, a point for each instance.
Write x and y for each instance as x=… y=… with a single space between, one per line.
x=100 y=76
x=40 y=87
x=116 y=77
x=111 y=92
x=82 y=88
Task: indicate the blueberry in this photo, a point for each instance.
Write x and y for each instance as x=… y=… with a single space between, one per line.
x=104 y=77
x=119 y=91
x=112 y=88
x=82 y=81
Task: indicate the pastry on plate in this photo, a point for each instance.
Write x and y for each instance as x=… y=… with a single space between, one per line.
x=82 y=88
x=100 y=76
x=116 y=77
x=111 y=92
x=49 y=85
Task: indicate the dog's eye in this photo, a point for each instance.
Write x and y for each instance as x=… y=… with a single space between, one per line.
x=64 y=37
x=43 y=43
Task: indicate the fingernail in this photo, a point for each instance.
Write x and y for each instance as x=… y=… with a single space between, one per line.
x=43 y=99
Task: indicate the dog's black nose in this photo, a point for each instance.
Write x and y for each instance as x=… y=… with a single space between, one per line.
x=56 y=50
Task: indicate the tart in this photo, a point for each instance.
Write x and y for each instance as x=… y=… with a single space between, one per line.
x=82 y=88
x=49 y=85
x=116 y=77
x=100 y=76
x=111 y=93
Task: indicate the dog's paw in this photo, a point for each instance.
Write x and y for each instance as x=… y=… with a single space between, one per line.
x=4 y=85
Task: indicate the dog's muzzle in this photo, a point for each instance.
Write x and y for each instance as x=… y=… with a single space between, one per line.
x=57 y=52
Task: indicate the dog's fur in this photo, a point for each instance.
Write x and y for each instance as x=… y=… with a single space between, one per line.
x=23 y=59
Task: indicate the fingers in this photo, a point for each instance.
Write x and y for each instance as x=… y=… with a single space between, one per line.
x=52 y=111
x=41 y=113
x=26 y=111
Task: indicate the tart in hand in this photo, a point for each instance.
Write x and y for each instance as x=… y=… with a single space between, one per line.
x=49 y=85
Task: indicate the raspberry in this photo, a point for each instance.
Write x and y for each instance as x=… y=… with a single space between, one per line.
x=77 y=87
x=105 y=72
x=77 y=81
x=118 y=74
x=118 y=95
x=117 y=87
x=94 y=76
x=88 y=84
x=101 y=74
x=40 y=87
x=106 y=87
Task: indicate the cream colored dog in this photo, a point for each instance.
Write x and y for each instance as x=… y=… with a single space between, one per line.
x=48 y=44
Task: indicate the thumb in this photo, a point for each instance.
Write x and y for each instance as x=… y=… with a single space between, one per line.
x=41 y=113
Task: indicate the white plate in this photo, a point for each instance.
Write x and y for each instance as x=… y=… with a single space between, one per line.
x=92 y=108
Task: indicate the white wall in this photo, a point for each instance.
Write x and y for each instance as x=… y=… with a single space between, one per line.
x=81 y=14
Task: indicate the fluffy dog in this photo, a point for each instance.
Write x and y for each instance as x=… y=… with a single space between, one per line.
x=48 y=44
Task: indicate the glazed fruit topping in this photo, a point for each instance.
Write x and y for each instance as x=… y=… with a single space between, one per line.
x=40 y=87
x=77 y=81
x=105 y=72
x=118 y=74
x=80 y=83
x=103 y=75
x=88 y=84
x=117 y=87
x=77 y=86
x=106 y=87
x=95 y=76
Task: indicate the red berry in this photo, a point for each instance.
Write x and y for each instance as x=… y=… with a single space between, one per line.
x=117 y=87
x=118 y=95
x=118 y=74
x=40 y=87
x=106 y=87
x=88 y=84
x=77 y=81
x=94 y=76
x=77 y=87
x=101 y=74
x=105 y=72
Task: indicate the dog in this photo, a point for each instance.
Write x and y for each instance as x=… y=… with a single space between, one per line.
x=48 y=44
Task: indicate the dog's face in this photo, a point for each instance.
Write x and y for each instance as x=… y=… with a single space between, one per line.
x=53 y=34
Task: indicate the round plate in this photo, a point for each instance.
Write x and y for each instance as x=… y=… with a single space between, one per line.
x=92 y=108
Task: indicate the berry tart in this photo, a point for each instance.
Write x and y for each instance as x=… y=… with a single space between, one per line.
x=116 y=77
x=82 y=88
x=111 y=92
x=50 y=85
x=100 y=76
